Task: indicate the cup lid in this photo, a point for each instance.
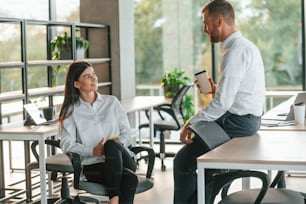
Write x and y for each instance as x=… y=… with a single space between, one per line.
x=200 y=72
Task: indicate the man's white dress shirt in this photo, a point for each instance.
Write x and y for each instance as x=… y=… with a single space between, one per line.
x=241 y=88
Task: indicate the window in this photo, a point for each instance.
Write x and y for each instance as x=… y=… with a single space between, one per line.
x=36 y=37
x=277 y=33
x=169 y=34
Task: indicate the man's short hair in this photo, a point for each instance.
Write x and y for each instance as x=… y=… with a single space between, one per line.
x=220 y=7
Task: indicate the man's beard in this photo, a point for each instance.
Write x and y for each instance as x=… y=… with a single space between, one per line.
x=214 y=39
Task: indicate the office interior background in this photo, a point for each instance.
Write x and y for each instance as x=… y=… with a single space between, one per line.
x=159 y=35
x=166 y=34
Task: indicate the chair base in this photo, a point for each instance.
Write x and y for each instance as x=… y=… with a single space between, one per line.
x=76 y=200
x=162 y=157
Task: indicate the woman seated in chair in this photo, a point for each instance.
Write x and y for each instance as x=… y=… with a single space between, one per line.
x=96 y=127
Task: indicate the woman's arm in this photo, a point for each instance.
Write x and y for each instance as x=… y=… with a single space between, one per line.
x=70 y=141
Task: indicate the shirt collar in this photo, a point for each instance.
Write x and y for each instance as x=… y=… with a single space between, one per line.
x=230 y=38
x=98 y=99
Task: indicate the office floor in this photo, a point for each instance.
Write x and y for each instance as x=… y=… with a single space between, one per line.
x=162 y=192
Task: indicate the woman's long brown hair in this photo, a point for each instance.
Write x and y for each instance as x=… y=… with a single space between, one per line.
x=72 y=94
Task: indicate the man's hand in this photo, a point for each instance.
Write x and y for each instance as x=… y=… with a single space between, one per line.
x=98 y=150
x=185 y=134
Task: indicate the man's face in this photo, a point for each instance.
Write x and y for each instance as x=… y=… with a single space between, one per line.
x=210 y=26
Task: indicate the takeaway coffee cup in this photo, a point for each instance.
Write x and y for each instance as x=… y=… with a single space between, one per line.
x=49 y=113
x=299 y=113
x=202 y=78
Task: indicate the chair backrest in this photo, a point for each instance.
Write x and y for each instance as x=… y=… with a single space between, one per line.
x=52 y=143
x=177 y=100
x=176 y=104
x=211 y=133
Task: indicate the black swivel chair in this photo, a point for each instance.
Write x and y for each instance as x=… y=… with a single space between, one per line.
x=176 y=113
x=71 y=163
x=145 y=181
x=223 y=179
x=58 y=162
x=264 y=195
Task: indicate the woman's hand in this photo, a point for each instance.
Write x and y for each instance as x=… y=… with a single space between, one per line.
x=98 y=150
x=185 y=134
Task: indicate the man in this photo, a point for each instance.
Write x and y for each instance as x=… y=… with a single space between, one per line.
x=238 y=100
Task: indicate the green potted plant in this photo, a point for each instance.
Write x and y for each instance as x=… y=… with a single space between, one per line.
x=61 y=46
x=171 y=82
x=188 y=107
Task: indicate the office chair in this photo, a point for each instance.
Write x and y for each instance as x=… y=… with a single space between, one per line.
x=58 y=162
x=145 y=182
x=265 y=194
x=222 y=179
x=176 y=113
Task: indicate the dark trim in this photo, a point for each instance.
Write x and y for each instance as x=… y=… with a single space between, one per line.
x=214 y=62
x=303 y=17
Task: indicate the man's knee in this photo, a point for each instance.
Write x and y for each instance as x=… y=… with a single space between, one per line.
x=178 y=161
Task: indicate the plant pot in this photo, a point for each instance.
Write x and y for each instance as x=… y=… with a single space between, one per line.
x=80 y=53
x=170 y=90
x=66 y=53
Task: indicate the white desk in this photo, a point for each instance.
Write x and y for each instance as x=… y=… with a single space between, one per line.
x=279 y=94
x=284 y=107
x=138 y=103
x=275 y=150
x=17 y=131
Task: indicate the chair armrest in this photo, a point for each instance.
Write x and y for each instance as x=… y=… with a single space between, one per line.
x=151 y=156
x=277 y=179
x=53 y=143
x=223 y=179
x=163 y=108
x=77 y=168
x=166 y=108
x=158 y=108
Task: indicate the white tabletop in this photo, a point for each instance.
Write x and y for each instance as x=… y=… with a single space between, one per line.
x=142 y=102
x=268 y=147
x=283 y=107
x=17 y=131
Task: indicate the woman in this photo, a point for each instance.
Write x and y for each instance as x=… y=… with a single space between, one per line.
x=89 y=122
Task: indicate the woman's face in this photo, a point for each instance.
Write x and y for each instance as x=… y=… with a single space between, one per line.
x=88 y=81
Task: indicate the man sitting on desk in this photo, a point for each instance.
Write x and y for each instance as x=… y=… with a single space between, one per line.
x=238 y=100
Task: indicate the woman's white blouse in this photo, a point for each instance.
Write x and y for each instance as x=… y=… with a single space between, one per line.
x=88 y=124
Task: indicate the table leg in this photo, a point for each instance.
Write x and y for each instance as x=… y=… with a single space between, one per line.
x=151 y=127
x=139 y=119
x=201 y=184
x=2 y=182
x=27 y=153
x=42 y=167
